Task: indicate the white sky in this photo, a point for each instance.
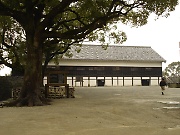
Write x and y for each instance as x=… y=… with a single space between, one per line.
x=163 y=35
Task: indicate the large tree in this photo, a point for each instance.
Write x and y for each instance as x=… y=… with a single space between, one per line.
x=52 y=26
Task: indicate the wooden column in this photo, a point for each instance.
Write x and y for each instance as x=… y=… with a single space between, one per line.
x=123 y=80
x=132 y=81
x=117 y=82
x=88 y=81
x=72 y=82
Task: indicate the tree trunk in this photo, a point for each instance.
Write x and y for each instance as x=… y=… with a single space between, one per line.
x=31 y=91
x=31 y=94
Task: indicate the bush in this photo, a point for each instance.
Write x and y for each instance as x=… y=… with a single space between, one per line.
x=5 y=88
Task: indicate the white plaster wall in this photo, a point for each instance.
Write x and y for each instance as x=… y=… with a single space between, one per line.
x=108 y=81
x=92 y=81
x=69 y=81
x=127 y=81
x=107 y=63
x=136 y=81
x=115 y=81
x=45 y=80
x=154 y=81
x=85 y=81
x=120 y=81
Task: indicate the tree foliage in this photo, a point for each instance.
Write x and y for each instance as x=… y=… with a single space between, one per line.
x=51 y=27
x=12 y=47
x=172 y=70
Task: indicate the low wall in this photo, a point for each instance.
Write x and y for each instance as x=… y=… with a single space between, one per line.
x=16 y=81
x=174 y=85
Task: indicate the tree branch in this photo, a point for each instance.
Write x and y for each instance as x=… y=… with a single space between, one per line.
x=3 y=40
x=17 y=15
x=55 y=11
x=3 y=61
x=81 y=32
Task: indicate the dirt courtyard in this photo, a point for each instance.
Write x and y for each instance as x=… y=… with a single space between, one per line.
x=133 y=110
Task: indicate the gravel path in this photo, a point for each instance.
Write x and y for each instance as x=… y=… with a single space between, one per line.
x=137 y=110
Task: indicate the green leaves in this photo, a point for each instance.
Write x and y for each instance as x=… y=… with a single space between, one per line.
x=173 y=69
x=136 y=19
x=14 y=4
x=12 y=42
x=161 y=7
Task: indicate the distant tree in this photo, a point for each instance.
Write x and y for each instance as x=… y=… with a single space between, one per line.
x=172 y=70
x=52 y=26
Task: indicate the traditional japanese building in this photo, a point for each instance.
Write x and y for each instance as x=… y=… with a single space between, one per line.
x=114 y=66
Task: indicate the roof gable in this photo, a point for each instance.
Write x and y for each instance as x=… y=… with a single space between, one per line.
x=115 y=53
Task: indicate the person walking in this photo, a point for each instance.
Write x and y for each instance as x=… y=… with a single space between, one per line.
x=162 y=85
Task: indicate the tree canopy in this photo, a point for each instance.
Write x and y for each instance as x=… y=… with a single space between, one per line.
x=172 y=70
x=12 y=47
x=50 y=27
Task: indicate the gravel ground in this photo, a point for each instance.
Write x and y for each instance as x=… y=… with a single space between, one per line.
x=133 y=110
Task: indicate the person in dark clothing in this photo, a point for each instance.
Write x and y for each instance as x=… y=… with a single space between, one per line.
x=162 y=85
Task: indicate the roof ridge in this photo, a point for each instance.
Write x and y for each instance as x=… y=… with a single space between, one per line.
x=117 y=46
x=132 y=46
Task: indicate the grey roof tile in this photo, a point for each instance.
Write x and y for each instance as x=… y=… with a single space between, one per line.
x=116 y=53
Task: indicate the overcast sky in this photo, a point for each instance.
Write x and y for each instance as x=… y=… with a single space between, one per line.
x=163 y=35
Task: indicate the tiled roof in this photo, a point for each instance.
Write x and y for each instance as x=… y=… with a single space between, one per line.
x=116 y=53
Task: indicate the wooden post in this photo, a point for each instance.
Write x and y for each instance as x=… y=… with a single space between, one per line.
x=117 y=82
x=158 y=80
x=67 y=90
x=132 y=81
x=82 y=81
x=112 y=80
x=72 y=82
x=88 y=81
x=104 y=80
x=46 y=90
x=123 y=80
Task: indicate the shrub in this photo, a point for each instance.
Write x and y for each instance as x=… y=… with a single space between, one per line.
x=5 y=88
